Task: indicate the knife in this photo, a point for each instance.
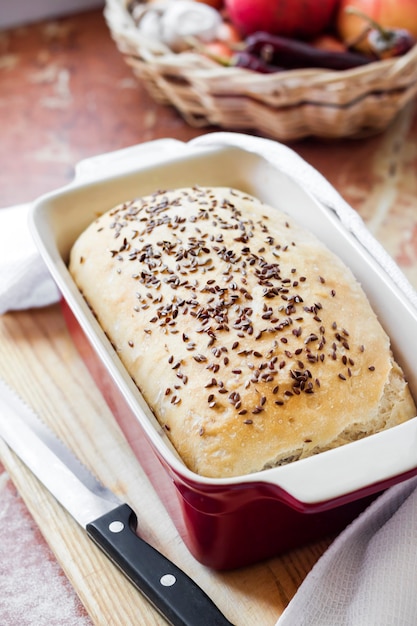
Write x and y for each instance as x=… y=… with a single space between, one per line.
x=109 y=522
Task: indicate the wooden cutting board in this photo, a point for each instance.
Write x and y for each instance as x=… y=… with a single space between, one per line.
x=39 y=360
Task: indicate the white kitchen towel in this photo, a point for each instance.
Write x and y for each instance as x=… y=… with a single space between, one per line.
x=368 y=576
x=24 y=280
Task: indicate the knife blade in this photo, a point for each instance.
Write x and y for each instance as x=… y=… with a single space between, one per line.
x=108 y=521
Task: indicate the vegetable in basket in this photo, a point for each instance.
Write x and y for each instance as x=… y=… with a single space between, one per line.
x=385 y=43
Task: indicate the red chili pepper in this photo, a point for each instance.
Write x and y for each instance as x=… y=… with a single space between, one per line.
x=385 y=42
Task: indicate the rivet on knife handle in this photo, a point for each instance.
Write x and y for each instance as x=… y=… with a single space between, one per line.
x=168 y=588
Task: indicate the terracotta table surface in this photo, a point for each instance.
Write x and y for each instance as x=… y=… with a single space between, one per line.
x=66 y=94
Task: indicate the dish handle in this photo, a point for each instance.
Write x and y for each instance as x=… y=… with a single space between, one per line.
x=120 y=161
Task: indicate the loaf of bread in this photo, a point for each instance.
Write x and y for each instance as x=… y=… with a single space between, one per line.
x=251 y=342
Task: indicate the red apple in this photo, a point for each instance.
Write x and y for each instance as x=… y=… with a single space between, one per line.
x=388 y=13
x=289 y=18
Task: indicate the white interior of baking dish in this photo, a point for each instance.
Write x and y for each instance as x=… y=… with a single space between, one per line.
x=57 y=219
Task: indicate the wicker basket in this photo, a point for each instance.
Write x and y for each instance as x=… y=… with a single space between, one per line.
x=285 y=106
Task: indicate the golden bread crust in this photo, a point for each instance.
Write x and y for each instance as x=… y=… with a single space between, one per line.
x=252 y=343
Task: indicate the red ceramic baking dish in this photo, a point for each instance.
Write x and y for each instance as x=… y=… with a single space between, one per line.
x=228 y=523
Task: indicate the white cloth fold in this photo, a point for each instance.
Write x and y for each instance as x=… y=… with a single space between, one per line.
x=368 y=577
x=24 y=279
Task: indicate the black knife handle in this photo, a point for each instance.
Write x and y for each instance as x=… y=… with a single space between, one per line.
x=174 y=594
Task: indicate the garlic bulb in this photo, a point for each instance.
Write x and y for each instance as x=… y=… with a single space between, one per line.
x=175 y=23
